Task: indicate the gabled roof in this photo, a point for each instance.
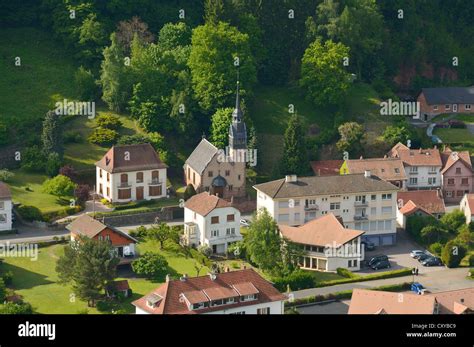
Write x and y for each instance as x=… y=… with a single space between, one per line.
x=388 y=169
x=428 y=200
x=324 y=185
x=449 y=158
x=455 y=301
x=5 y=192
x=470 y=202
x=449 y=95
x=195 y=289
x=202 y=156
x=87 y=226
x=366 y=301
x=131 y=158
x=204 y=203
x=326 y=167
x=416 y=157
x=325 y=231
x=410 y=207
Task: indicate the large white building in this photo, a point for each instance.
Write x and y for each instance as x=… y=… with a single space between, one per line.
x=212 y=221
x=422 y=166
x=131 y=173
x=363 y=201
x=6 y=207
x=232 y=292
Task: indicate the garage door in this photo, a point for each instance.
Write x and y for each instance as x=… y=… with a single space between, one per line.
x=374 y=239
x=387 y=240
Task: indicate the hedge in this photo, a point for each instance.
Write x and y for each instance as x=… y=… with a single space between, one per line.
x=346 y=294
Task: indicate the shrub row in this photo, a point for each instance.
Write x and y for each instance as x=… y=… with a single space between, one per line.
x=359 y=278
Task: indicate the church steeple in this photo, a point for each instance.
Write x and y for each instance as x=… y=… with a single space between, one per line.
x=237 y=129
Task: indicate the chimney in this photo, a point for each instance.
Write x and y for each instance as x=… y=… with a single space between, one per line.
x=420 y=150
x=227 y=269
x=291 y=178
x=319 y=172
x=367 y=174
x=167 y=278
x=361 y=157
x=212 y=276
x=183 y=278
x=385 y=156
x=438 y=193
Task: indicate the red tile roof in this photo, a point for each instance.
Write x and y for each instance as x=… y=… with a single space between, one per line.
x=416 y=157
x=388 y=169
x=429 y=200
x=410 y=207
x=5 y=191
x=326 y=167
x=455 y=301
x=450 y=158
x=173 y=291
x=90 y=227
x=246 y=288
x=204 y=203
x=323 y=231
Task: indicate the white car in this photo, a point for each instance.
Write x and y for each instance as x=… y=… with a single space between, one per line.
x=245 y=223
x=416 y=253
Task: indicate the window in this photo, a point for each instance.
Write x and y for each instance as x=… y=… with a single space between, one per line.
x=465 y=181
x=447 y=107
x=265 y=310
x=413 y=180
x=373 y=211
x=355 y=262
x=413 y=169
x=450 y=181
x=349 y=263
x=214 y=233
x=373 y=197
x=283 y=217
x=335 y=206
x=155 y=191
x=227 y=172
x=386 y=196
x=435 y=108
x=449 y=194
x=387 y=210
x=283 y=204
x=238 y=177
x=124 y=194
x=3 y=218
x=189 y=173
x=360 y=198
x=467 y=106
x=108 y=177
x=215 y=220
x=432 y=169
x=230 y=231
x=248 y=297
x=458 y=171
x=297 y=217
x=230 y=217
x=100 y=173
x=124 y=179
x=210 y=174
x=108 y=191
x=397 y=170
x=139 y=177
x=459 y=193
x=100 y=189
x=431 y=180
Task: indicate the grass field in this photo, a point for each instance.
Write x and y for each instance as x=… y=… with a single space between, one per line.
x=450 y=135
x=26 y=90
x=37 y=280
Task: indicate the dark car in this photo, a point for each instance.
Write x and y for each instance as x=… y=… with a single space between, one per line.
x=432 y=261
x=368 y=246
x=383 y=264
x=376 y=259
x=423 y=257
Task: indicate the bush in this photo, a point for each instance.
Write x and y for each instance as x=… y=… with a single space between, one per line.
x=140 y=232
x=436 y=248
x=6 y=175
x=345 y=272
x=16 y=308
x=53 y=164
x=7 y=277
x=471 y=261
x=87 y=88
x=103 y=137
x=104 y=306
x=72 y=137
x=30 y=213
x=109 y=121
x=297 y=280
x=453 y=221
x=452 y=254
x=33 y=159
x=205 y=250
x=189 y=192
x=150 y=265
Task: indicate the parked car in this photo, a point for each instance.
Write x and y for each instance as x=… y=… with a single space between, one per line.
x=376 y=259
x=244 y=222
x=416 y=253
x=418 y=288
x=382 y=264
x=368 y=246
x=432 y=261
x=423 y=257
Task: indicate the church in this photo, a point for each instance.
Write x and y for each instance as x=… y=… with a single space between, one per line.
x=221 y=171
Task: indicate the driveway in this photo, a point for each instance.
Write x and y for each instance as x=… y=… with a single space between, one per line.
x=399 y=255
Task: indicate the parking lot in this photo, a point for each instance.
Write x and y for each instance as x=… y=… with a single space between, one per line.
x=399 y=256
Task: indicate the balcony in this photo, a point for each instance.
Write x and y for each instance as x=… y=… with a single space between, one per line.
x=361 y=217
x=361 y=203
x=312 y=207
x=124 y=185
x=155 y=182
x=413 y=172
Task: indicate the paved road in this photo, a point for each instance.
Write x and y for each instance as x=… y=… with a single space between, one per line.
x=30 y=235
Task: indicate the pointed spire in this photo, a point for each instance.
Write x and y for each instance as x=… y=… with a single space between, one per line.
x=237 y=114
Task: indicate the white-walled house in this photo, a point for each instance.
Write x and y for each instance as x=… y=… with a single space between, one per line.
x=422 y=166
x=467 y=207
x=363 y=202
x=327 y=244
x=212 y=221
x=6 y=207
x=232 y=292
x=131 y=173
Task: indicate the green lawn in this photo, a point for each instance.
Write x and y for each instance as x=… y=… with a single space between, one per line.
x=36 y=281
x=450 y=135
x=324 y=276
x=34 y=196
x=26 y=91
x=466 y=118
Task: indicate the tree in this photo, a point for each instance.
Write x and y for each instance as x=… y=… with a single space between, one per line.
x=59 y=186
x=127 y=30
x=150 y=265
x=114 y=77
x=212 y=60
x=53 y=164
x=33 y=159
x=52 y=134
x=6 y=175
x=394 y=134
x=294 y=151
x=160 y=233
x=87 y=88
x=89 y=265
x=109 y=121
x=68 y=171
x=452 y=253
x=214 y=11
x=103 y=137
x=3 y=290
x=220 y=123
x=433 y=233
x=264 y=245
x=173 y=35
x=16 y=308
x=323 y=75
x=351 y=137
x=453 y=221
x=81 y=193
x=189 y=192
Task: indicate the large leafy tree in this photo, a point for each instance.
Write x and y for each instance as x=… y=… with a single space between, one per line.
x=52 y=134
x=89 y=265
x=324 y=76
x=352 y=136
x=295 y=160
x=214 y=51
x=151 y=265
x=220 y=123
x=159 y=233
x=59 y=186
